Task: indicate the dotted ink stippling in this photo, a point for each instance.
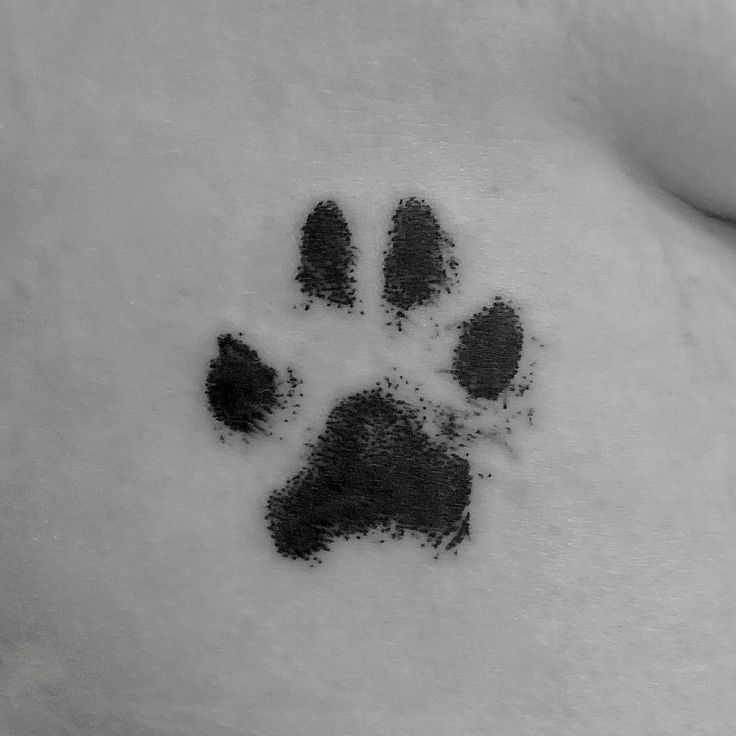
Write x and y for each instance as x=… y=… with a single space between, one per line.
x=241 y=389
x=326 y=257
x=488 y=351
x=418 y=265
x=372 y=470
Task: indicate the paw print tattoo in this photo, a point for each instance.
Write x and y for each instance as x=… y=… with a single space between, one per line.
x=388 y=461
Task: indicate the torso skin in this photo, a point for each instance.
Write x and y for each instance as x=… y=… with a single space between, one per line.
x=158 y=161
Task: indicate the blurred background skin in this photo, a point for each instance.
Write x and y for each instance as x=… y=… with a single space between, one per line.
x=157 y=160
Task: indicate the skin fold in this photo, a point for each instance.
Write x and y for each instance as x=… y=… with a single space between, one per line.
x=159 y=161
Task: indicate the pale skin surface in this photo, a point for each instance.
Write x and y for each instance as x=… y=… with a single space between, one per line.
x=157 y=161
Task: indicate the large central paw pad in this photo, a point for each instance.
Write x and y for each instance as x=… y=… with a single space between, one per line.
x=373 y=467
x=386 y=462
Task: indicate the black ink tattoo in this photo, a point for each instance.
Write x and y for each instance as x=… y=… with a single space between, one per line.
x=385 y=464
x=327 y=258
x=418 y=265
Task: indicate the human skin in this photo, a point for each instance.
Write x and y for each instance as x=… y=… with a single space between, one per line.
x=158 y=162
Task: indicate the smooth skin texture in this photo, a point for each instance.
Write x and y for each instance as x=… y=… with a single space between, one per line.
x=158 y=162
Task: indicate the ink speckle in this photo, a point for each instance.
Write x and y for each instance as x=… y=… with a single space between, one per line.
x=488 y=351
x=241 y=389
x=373 y=468
x=327 y=258
x=418 y=266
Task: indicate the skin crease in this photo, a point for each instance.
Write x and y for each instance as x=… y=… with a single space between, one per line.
x=665 y=80
x=159 y=160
